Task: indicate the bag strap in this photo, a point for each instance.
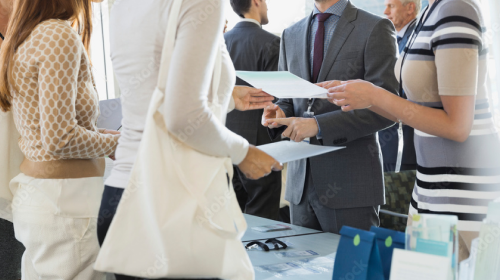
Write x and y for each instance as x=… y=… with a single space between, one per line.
x=168 y=44
x=168 y=50
x=217 y=76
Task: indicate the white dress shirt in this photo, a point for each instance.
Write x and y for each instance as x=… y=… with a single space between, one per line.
x=251 y=20
x=401 y=33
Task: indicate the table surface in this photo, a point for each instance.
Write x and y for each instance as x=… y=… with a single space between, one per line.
x=324 y=244
x=317 y=267
x=253 y=221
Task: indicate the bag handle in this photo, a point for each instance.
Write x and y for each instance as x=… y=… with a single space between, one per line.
x=168 y=44
x=168 y=50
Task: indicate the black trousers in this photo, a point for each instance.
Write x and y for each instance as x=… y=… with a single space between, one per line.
x=110 y=199
x=259 y=197
x=390 y=167
x=11 y=252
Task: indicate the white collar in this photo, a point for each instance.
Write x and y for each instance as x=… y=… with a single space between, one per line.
x=401 y=33
x=251 y=20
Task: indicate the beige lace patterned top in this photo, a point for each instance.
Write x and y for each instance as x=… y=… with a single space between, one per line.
x=55 y=105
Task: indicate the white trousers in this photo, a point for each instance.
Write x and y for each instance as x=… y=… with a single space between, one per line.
x=56 y=220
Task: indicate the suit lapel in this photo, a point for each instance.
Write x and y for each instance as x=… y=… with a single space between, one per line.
x=340 y=35
x=407 y=35
x=303 y=49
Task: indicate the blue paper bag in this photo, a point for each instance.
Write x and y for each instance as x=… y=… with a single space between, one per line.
x=387 y=240
x=358 y=257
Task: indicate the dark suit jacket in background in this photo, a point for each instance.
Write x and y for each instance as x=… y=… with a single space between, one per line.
x=363 y=47
x=389 y=138
x=253 y=49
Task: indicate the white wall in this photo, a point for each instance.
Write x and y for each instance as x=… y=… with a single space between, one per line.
x=282 y=14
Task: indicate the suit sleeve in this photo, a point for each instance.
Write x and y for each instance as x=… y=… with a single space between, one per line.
x=380 y=55
x=285 y=104
x=272 y=55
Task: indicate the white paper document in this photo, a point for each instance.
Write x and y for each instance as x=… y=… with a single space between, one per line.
x=287 y=151
x=282 y=84
x=111 y=114
x=410 y=265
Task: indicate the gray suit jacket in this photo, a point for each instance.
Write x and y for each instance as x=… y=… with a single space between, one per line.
x=251 y=49
x=363 y=47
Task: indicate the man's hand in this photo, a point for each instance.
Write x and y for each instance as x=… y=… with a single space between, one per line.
x=247 y=98
x=272 y=112
x=298 y=128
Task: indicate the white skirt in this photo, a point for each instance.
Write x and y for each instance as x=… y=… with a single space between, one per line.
x=56 y=220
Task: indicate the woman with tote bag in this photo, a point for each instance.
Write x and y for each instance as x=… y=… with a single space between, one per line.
x=176 y=217
x=46 y=83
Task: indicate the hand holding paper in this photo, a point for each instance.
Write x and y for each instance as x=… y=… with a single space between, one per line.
x=258 y=164
x=247 y=98
x=352 y=95
x=329 y=84
x=298 y=128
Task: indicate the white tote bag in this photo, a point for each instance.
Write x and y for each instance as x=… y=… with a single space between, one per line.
x=11 y=158
x=178 y=218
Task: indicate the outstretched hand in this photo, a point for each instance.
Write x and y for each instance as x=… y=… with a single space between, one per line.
x=352 y=95
x=247 y=98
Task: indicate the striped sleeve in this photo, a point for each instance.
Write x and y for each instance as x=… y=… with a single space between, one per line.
x=456 y=42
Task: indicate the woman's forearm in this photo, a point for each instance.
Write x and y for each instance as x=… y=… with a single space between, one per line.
x=454 y=122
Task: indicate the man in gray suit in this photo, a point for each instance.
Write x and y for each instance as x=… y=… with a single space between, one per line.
x=253 y=49
x=336 y=42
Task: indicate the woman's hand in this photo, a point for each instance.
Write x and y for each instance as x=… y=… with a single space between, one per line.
x=272 y=112
x=329 y=84
x=352 y=95
x=108 y=131
x=247 y=98
x=258 y=164
x=112 y=132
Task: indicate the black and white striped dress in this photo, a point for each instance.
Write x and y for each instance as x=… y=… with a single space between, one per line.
x=449 y=58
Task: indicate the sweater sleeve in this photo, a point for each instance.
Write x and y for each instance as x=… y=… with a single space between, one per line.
x=59 y=64
x=186 y=111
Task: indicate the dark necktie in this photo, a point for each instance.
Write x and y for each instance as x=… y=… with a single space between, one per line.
x=399 y=39
x=319 y=45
